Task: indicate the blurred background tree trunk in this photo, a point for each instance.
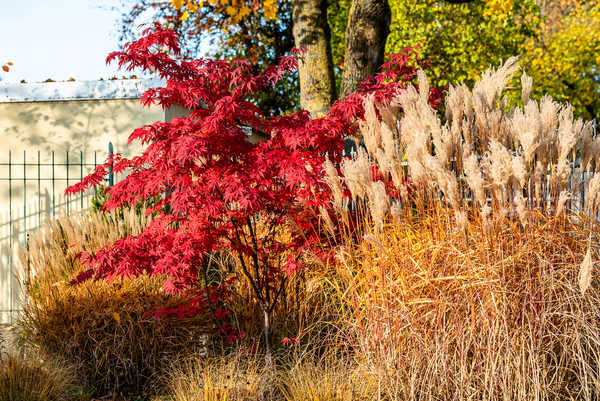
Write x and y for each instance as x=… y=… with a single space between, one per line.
x=366 y=35
x=311 y=32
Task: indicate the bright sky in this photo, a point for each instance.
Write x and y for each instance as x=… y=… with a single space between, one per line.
x=57 y=39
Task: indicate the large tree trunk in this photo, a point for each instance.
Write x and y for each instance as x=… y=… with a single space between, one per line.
x=366 y=33
x=311 y=31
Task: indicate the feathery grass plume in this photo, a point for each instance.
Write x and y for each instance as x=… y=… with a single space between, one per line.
x=335 y=185
x=549 y=111
x=589 y=146
x=563 y=198
x=324 y=214
x=497 y=166
x=444 y=180
x=383 y=162
x=592 y=192
x=475 y=179
x=423 y=83
x=561 y=175
x=461 y=219
x=455 y=102
x=357 y=173
x=526 y=86
x=370 y=128
x=378 y=203
x=527 y=127
x=493 y=81
x=389 y=143
x=539 y=178
x=389 y=116
x=459 y=113
x=585 y=270
x=520 y=207
x=569 y=132
x=486 y=95
x=519 y=171
x=399 y=179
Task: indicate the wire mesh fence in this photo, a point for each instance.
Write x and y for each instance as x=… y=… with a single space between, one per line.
x=32 y=187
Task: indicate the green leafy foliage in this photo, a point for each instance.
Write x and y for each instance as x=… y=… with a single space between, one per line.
x=460 y=40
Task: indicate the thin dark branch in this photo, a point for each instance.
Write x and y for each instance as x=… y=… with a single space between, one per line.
x=281 y=287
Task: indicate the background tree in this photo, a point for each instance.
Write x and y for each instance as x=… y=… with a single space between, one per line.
x=564 y=56
x=367 y=30
x=557 y=40
x=311 y=33
x=367 y=26
x=460 y=40
x=225 y=30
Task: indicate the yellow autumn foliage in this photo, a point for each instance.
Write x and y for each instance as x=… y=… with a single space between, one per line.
x=235 y=10
x=498 y=7
x=566 y=53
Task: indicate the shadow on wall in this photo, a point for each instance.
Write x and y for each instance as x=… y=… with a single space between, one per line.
x=85 y=126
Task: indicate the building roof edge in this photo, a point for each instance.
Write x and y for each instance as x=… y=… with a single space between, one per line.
x=76 y=90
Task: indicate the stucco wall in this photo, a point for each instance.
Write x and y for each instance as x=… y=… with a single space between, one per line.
x=79 y=127
x=71 y=129
x=76 y=125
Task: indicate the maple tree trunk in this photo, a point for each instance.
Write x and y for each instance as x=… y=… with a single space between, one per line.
x=366 y=34
x=267 y=333
x=311 y=31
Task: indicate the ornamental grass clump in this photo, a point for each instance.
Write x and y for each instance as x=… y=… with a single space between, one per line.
x=238 y=377
x=29 y=379
x=107 y=330
x=511 y=313
x=328 y=378
x=466 y=246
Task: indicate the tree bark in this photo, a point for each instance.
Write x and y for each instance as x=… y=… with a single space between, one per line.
x=267 y=335
x=366 y=34
x=311 y=31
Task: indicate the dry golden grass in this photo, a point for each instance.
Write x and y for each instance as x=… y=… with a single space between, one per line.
x=438 y=313
x=477 y=280
x=102 y=328
x=27 y=379
x=239 y=377
x=327 y=379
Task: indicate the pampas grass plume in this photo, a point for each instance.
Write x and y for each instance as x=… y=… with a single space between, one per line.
x=585 y=271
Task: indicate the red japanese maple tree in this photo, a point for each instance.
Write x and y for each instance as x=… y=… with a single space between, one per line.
x=217 y=188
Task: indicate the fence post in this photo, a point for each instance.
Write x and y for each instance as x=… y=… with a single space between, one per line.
x=10 y=239
x=67 y=198
x=111 y=178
